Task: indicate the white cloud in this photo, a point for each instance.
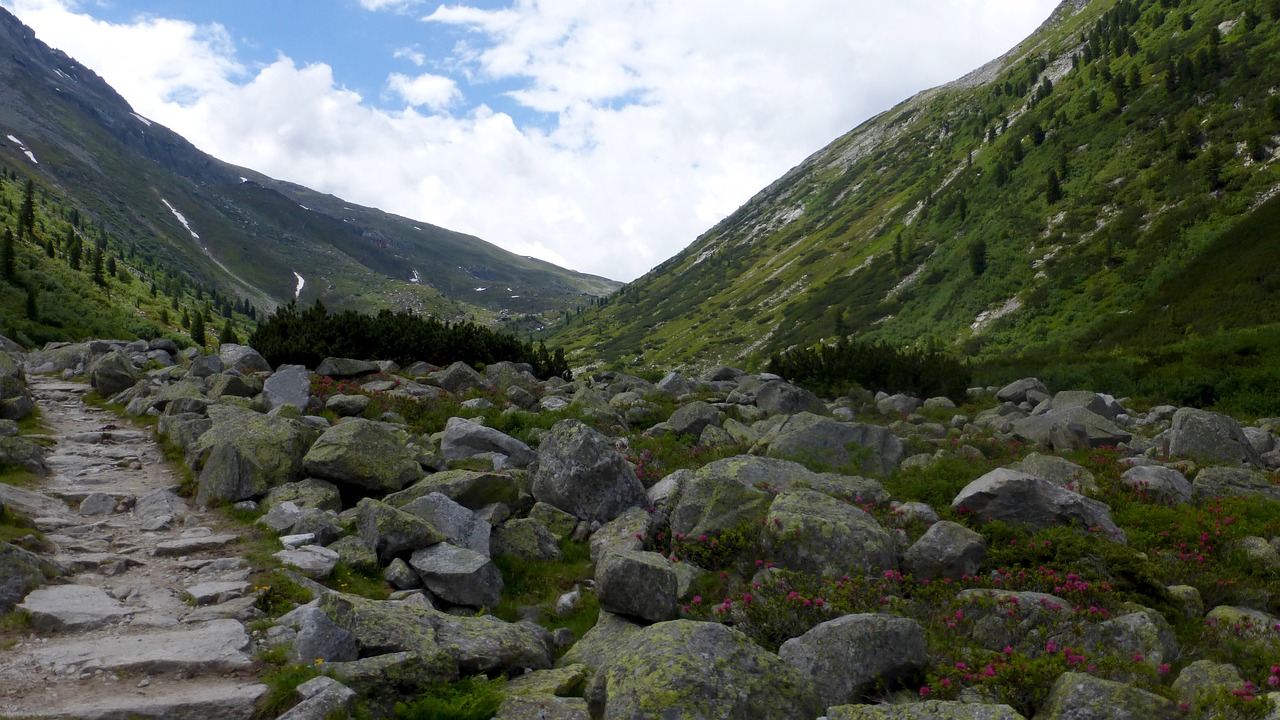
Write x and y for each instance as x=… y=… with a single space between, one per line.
x=413 y=55
x=433 y=91
x=665 y=115
x=388 y=4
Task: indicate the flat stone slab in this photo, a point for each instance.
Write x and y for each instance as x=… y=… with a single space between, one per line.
x=311 y=560
x=73 y=607
x=217 y=646
x=186 y=701
x=172 y=548
x=211 y=593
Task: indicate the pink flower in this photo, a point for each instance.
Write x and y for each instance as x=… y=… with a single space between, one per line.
x=1137 y=657
x=697 y=599
x=924 y=691
x=1163 y=668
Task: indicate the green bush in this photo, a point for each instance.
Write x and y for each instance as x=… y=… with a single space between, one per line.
x=473 y=698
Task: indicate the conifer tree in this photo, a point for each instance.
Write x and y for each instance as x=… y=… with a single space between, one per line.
x=33 y=311
x=978 y=257
x=8 y=263
x=197 y=328
x=27 y=215
x=228 y=334
x=98 y=278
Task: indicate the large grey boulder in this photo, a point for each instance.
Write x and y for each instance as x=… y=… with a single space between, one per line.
x=460 y=526
x=21 y=572
x=1143 y=633
x=245 y=453
x=778 y=397
x=202 y=366
x=464 y=438
x=542 y=707
x=288 y=385
x=580 y=472
x=1069 y=428
x=1158 y=483
x=1036 y=619
x=898 y=405
x=693 y=418
x=697 y=669
x=1224 y=482
x=849 y=655
x=839 y=445
x=1079 y=696
x=363 y=454
x=526 y=539
x=242 y=358
x=1018 y=390
x=308 y=493
x=321 y=698
x=345 y=368
x=459 y=378
x=447 y=644
x=320 y=638
x=1209 y=437
x=637 y=584
x=927 y=710
x=112 y=373
x=595 y=646
x=391 y=531
x=470 y=488
x=816 y=534
x=1057 y=470
x=457 y=575
x=946 y=550
x=1095 y=403
x=21 y=452
x=1021 y=499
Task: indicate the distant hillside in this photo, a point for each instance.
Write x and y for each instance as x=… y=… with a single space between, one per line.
x=1108 y=184
x=177 y=211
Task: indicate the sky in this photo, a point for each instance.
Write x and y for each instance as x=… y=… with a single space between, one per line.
x=600 y=135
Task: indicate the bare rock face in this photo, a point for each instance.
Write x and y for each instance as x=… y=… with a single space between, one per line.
x=580 y=472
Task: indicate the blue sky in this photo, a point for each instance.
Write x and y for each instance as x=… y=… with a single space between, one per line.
x=602 y=135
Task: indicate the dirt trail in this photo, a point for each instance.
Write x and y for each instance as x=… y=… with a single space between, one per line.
x=150 y=620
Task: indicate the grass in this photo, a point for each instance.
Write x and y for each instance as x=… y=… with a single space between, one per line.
x=365 y=584
x=282 y=683
x=473 y=698
x=542 y=583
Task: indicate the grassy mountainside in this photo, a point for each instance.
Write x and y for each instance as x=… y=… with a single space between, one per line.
x=237 y=231
x=1107 y=184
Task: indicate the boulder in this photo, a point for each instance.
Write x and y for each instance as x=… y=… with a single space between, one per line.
x=1158 y=483
x=288 y=385
x=1021 y=499
x=848 y=656
x=112 y=373
x=1223 y=482
x=242 y=358
x=723 y=495
x=313 y=561
x=391 y=531
x=464 y=439
x=459 y=525
x=1209 y=437
x=358 y=554
x=693 y=418
x=1057 y=470
x=459 y=378
x=542 y=707
x=253 y=453
x=308 y=493
x=624 y=532
x=320 y=638
x=363 y=454
x=347 y=405
x=778 y=397
x=898 y=405
x=637 y=584
x=1079 y=696
x=1069 y=428
x=321 y=698
x=580 y=472
x=594 y=647
x=457 y=575
x=560 y=523
x=526 y=539
x=469 y=488
x=946 y=550
x=816 y=439
x=1205 y=677
x=403 y=674
x=460 y=644
x=1016 y=391
x=23 y=453
x=229 y=385
x=927 y=710
x=345 y=368
x=21 y=572
x=1143 y=633
x=816 y=534
x=697 y=669
x=1025 y=621
x=202 y=366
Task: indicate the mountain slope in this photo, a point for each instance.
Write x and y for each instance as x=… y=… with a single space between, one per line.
x=1031 y=206
x=228 y=228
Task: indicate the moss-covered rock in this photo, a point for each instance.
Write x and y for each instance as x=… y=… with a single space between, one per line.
x=1059 y=471
x=363 y=454
x=356 y=553
x=391 y=531
x=524 y=538
x=564 y=681
x=469 y=488
x=1144 y=633
x=580 y=472
x=814 y=533
x=593 y=649
x=946 y=550
x=637 y=584
x=23 y=453
x=249 y=453
x=21 y=572
x=1204 y=678
x=815 y=438
x=845 y=657
x=542 y=707
x=557 y=521
x=1026 y=500
x=1224 y=482
x=1026 y=621
x=308 y=493
x=724 y=494
x=928 y=710
x=1077 y=696
x=693 y=669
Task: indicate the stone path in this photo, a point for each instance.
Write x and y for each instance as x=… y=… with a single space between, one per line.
x=150 y=624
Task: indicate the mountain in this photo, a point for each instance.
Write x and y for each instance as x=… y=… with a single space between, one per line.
x=171 y=208
x=1107 y=186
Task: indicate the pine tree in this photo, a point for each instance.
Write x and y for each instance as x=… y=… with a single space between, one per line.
x=8 y=262
x=228 y=334
x=33 y=311
x=73 y=254
x=98 y=278
x=111 y=266
x=978 y=257
x=197 y=328
x=1053 y=192
x=27 y=215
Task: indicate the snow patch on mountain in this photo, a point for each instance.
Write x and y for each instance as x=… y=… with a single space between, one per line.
x=181 y=218
x=141 y=119
x=302 y=282
x=22 y=146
